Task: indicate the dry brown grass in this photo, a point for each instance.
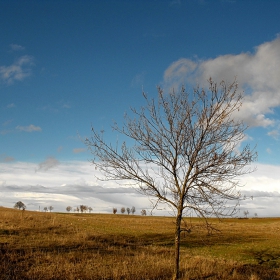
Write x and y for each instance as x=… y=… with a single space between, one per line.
x=94 y=246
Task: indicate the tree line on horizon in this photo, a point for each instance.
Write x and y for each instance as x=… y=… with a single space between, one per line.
x=131 y=210
x=84 y=209
x=80 y=209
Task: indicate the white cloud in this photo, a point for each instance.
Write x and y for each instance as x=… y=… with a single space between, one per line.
x=175 y=75
x=29 y=128
x=257 y=73
x=49 y=163
x=240 y=142
x=265 y=178
x=16 y=47
x=18 y=71
x=273 y=133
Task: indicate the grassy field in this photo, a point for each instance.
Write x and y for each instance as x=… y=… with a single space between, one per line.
x=45 y=246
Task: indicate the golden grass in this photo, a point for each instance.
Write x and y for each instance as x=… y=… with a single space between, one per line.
x=45 y=246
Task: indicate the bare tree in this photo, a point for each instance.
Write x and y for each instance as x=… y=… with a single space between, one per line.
x=115 y=210
x=122 y=210
x=68 y=208
x=90 y=209
x=50 y=208
x=45 y=209
x=246 y=213
x=133 y=210
x=128 y=210
x=143 y=212
x=20 y=205
x=187 y=152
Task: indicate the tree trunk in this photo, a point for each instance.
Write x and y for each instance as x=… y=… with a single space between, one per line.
x=177 y=246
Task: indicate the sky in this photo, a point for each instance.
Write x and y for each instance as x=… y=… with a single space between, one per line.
x=66 y=66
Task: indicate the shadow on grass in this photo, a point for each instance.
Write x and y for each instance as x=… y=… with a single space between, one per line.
x=268 y=257
x=16 y=261
x=263 y=273
x=108 y=241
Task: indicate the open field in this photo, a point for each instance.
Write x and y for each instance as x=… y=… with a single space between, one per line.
x=45 y=246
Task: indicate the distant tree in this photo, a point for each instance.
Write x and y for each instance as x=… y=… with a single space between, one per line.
x=183 y=149
x=143 y=212
x=51 y=208
x=128 y=210
x=45 y=209
x=122 y=210
x=115 y=210
x=256 y=215
x=83 y=208
x=246 y=213
x=77 y=209
x=90 y=209
x=68 y=208
x=20 y=205
x=133 y=210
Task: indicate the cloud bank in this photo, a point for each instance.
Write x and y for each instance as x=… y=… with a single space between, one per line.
x=74 y=183
x=257 y=74
x=63 y=184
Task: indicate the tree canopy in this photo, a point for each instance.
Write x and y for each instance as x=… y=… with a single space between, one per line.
x=19 y=205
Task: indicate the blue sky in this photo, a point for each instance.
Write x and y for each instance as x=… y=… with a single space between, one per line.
x=67 y=65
